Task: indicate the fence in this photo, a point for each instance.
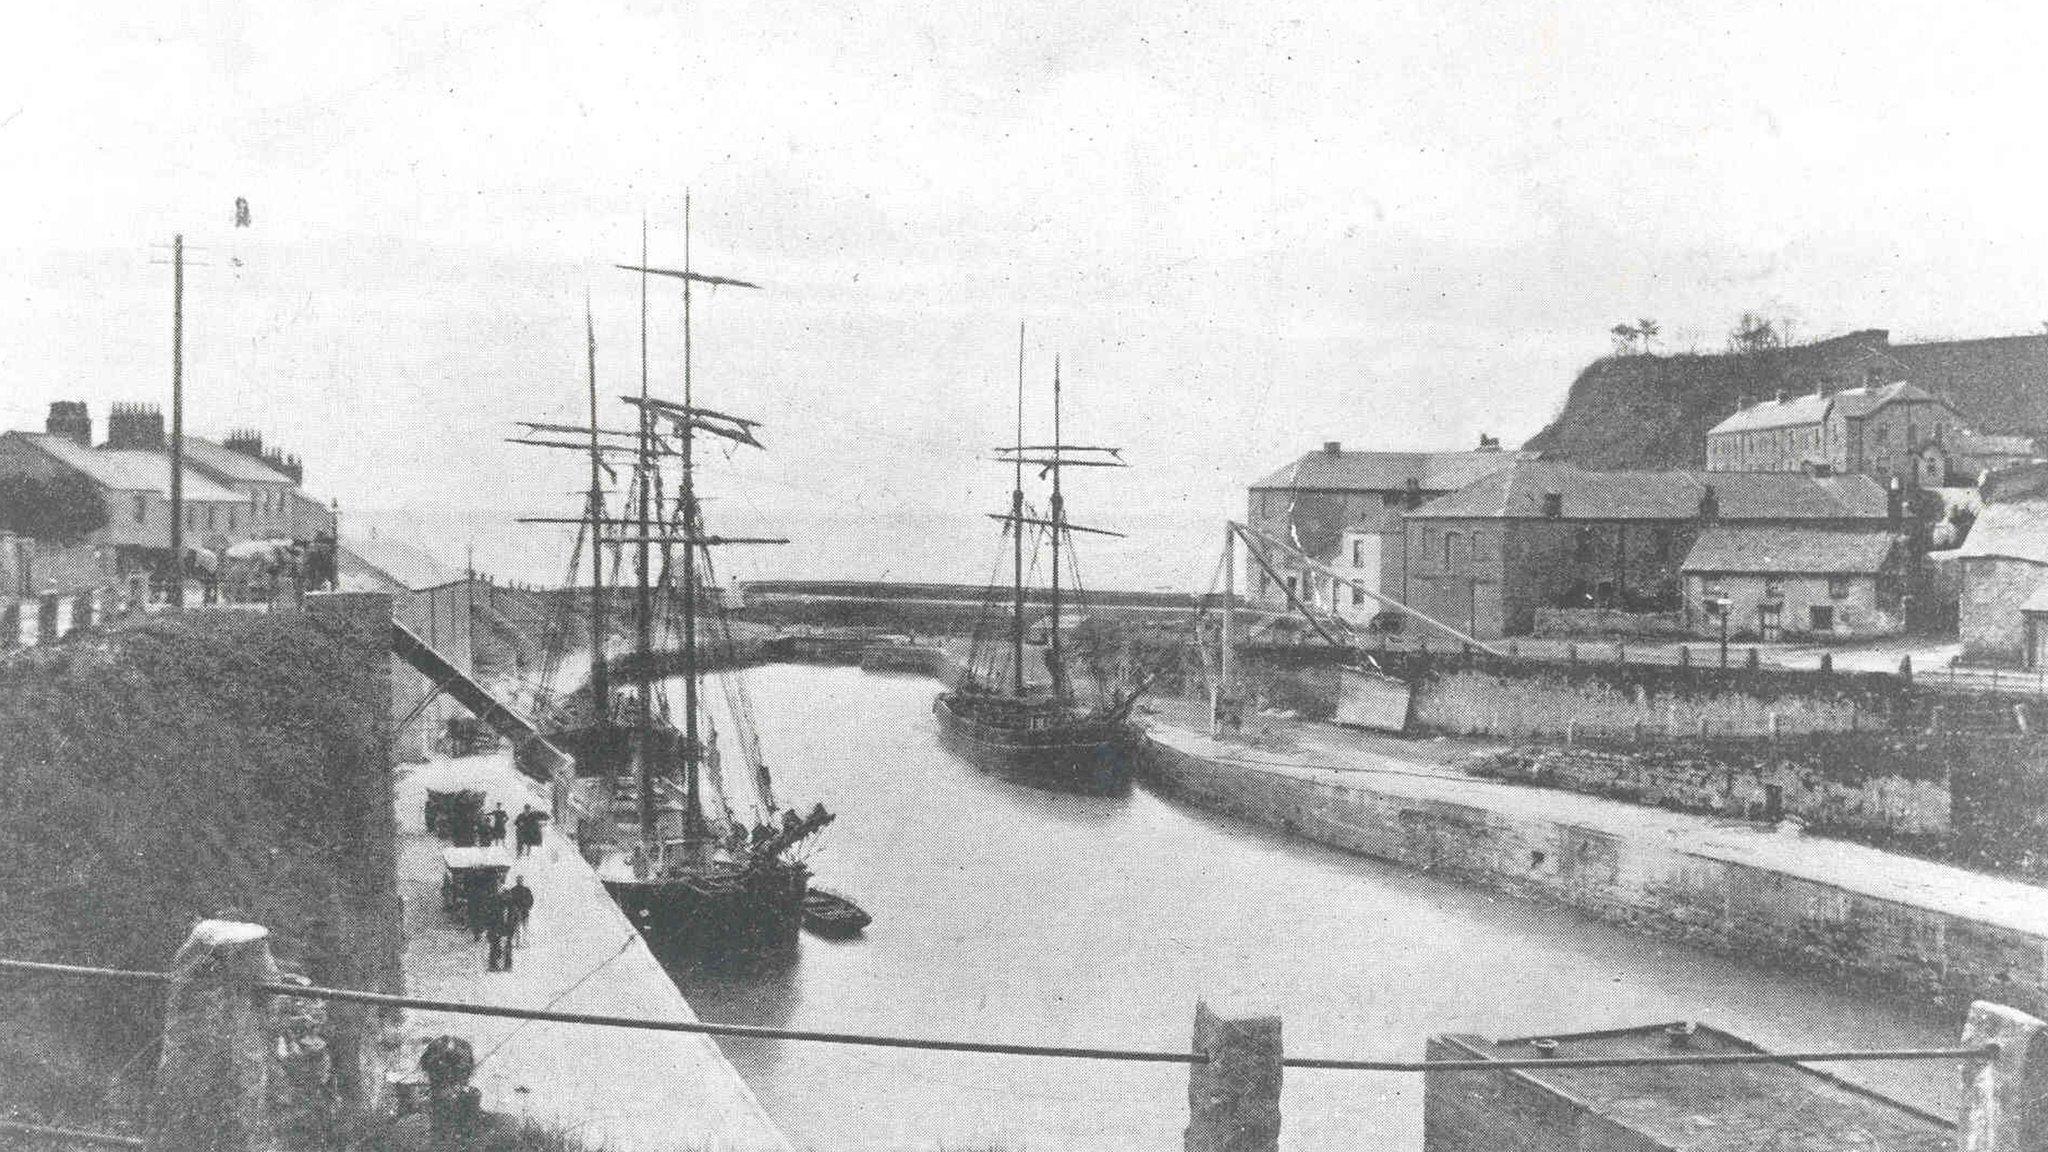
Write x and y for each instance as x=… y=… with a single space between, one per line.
x=211 y=1088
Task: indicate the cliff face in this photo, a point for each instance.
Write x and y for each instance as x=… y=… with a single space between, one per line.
x=1654 y=411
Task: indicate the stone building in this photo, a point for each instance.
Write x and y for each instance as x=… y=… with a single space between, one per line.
x=1345 y=508
x=1548 y=535
x=1888 y=430
x=1772 y=581
x=2003 y=563
x=1732 y=1108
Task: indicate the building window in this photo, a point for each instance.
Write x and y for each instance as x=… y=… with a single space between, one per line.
x=1393 y=499
x=209 y=517
x=141 y=508
x=1774 y=587
x=1357 y=552
x=232 y=513
x=1838 y=587
x=1357 y=596
x=191 y=517
x=1450 y=547
x=1479 y=551
x=1582 y=545
x=1822 y=617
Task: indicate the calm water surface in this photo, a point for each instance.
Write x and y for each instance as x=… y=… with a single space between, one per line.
x=1012 y=913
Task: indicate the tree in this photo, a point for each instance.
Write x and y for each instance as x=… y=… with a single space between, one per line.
x=1754 y=333
x=1625 y=336
x=1646 y=331
x=66 y=507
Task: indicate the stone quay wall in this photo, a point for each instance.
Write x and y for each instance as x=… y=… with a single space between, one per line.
x=1717 y=903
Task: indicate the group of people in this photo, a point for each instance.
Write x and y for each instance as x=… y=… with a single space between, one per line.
x=490 y=828
x=500 y=916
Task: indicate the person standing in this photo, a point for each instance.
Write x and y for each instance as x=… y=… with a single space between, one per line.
x=518 y=909
x=498 y=819
x=526 y=829
x=498 y=927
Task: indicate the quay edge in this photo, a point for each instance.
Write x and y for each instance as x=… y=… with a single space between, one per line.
x=1674 y=890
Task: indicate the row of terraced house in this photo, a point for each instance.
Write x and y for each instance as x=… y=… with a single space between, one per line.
x=242 y=505
x=1845 y=512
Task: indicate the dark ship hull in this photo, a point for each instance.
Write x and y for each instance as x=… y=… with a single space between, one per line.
x=1037 y=742
x=716 y=910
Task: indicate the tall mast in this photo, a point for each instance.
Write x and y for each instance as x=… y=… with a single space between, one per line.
x=600 y=676
x=1017 y=526
x=1058 y=530
x=692 y=813
x=643 y=596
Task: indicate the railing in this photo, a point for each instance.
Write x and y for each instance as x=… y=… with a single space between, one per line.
x=1245 y=1053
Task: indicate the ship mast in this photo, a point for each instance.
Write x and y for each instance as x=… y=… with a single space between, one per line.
x=600 y=676
x=691 y=815
x=1055 y=665
x=1017 y=526
x=643 y=594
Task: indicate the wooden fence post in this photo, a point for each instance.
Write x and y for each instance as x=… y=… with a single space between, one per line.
x=2005 y=1099
x=212 y=1078
x=1234 y=1099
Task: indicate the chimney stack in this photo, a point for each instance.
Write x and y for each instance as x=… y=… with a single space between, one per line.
x=1332 y=447
x=1783 y=395
x=1710 y=505
x=136 y=426
x=69 y=419
x=246 y=441
x=1489 y=443
x=1414 y=492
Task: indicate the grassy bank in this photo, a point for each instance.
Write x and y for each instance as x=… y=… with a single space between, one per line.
x=154 y=775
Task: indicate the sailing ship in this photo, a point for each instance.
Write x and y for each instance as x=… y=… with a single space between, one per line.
x=693 y=872
x=997 y=713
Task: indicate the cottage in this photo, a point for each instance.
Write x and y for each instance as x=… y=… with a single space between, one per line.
x=1546 y=535
x=1344 y=509
x=2004 y=562
x=1769 y=581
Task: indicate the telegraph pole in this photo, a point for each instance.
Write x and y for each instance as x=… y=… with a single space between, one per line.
x=178 y=421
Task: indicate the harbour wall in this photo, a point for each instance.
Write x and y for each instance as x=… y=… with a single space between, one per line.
x=1723 y=904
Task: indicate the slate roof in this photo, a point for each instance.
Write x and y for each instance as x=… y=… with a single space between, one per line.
x=2013 y=531
x=129 y=469
x=230 y=463
x=1812 y=408
x=1518 y=493
x=1389 y=471
x=1790 y=549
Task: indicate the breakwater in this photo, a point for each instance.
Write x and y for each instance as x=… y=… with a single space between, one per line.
x=1907 y=923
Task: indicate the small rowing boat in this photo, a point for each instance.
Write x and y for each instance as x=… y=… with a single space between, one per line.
x=827 y=913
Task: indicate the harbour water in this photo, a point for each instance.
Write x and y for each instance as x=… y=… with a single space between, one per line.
x=1011 y=913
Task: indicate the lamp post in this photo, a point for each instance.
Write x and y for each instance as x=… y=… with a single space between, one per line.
x=1721 y=606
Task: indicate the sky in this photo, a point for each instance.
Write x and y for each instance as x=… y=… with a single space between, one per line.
x=1245 y=229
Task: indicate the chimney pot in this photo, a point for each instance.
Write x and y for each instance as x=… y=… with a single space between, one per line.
x=1783 y=395
x=1333 y=446
x=69 y=419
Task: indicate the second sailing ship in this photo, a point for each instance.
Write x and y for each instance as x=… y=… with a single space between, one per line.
x=997 y=712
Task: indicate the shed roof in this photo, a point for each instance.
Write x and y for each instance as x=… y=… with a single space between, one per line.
x=1389 y=471
x=129 y=469
x=374 y=562
x=1730 y=1108
x=2011 y=531
x=1519 y=492
x=1768 y=548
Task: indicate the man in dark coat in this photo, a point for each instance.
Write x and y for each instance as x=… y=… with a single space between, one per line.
x=498 y=927
x=526 y=829
x=498 y=819
x=518 y=907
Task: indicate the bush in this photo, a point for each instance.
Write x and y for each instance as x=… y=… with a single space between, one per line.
x=180 y=769
x=66 y=507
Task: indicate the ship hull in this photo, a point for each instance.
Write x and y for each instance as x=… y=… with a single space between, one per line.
x=719 y=915
x=1087 y=753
